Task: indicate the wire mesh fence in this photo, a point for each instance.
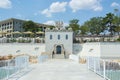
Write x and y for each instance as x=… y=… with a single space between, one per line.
x=108 y=69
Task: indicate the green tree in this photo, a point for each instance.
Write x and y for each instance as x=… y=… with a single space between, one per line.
x=84 y=30
x=30 y=26
x=108 y=22
x=116 y=24
x=74 y=25
x=51 y=27
x=94 y=25
x=117 y=29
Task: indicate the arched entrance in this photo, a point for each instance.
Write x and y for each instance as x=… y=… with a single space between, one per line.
x=58 y=49
x=58 y=52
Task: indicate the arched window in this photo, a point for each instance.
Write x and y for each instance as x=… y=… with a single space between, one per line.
x=50 y=36
x=58 y=37
x=66 y=37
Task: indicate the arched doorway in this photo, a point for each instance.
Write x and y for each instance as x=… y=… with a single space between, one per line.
x=58 y=49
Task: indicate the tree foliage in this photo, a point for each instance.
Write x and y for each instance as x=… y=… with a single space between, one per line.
x=30 y=26
x=84 y=30
x=116 y=22
x=109 y=22
x=51 y=27
x=94 y=25
x=74 y=25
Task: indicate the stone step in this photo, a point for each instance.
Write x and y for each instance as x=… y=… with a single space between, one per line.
x=58 y=56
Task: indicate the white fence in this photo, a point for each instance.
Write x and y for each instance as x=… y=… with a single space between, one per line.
x=108 y=69
x=22 y=40
x=10 y=67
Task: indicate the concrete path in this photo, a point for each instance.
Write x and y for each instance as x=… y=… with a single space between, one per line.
x=60 y=69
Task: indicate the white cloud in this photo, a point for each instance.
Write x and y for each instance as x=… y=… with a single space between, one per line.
x=114 y=4
x=51 y=22
x=20 y=16
x=55 y=7
x=85 y=4
x=66 y=24
x=5 y=4
x=58 y=7
x=47 y=12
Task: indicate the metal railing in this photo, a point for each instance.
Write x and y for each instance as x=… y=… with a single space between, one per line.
x=106 y=68
x=10 y=67
x=22 y=40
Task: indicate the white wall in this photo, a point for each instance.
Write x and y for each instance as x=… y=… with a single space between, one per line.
x=82 y=50
x=74 y=57
x=110 y=49
x=68 y=44
x=103 y=50
x=21 y=48
x=90 y=49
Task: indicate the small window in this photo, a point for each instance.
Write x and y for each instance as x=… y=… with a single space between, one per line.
x=10 y=23
x=66 y=37
x=50 y=36
x=58 y=37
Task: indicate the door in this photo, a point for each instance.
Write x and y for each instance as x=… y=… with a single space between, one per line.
x=58 y=49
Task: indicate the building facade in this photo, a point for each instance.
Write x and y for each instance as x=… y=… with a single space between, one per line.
x=11 y=25
x=59 y=42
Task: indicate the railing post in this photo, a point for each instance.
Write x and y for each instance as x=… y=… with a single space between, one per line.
x=94 y=65
x=104 y=69
x=27 y=62
x=88 y=62
x=7 y=68
x=6 y=72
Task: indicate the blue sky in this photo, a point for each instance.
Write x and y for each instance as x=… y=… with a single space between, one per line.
x=48 y=11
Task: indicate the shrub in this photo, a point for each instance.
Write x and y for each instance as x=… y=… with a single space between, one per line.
x=118 y=39
x=13 y=40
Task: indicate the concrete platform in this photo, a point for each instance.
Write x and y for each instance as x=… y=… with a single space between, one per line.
x=60 y=69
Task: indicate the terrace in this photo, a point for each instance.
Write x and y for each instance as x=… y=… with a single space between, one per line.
x=52 y=69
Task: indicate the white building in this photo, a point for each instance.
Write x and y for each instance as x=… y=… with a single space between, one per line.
x=59 y=42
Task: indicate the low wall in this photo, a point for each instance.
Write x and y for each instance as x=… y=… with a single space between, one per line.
x=82 y=50
x=21 y=48
x=110 y=50
x=74 y=57
x=101 y=49
x=77 y=48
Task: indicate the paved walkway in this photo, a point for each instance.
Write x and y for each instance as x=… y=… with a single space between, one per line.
x=60 y=69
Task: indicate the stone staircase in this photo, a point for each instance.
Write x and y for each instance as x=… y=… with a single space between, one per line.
x=58 y=56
